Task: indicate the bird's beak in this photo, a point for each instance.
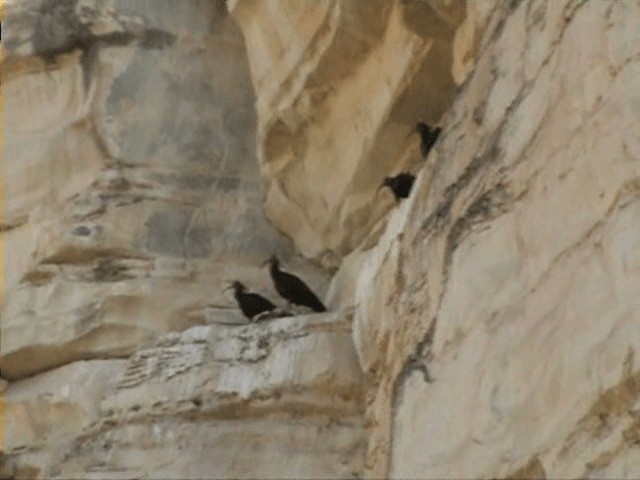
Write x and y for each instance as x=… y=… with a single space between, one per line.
x=380 y=188
x=266 y=262
x=409 y=134
x=228 y=287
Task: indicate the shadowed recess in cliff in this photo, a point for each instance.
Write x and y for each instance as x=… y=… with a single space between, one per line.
x=329 y=130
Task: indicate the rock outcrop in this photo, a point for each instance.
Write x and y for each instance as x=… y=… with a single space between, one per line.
x=132 y=195
x=339 y=86
x=283 y=397
x=485 y=327
x=129 y=152
x=496 y=318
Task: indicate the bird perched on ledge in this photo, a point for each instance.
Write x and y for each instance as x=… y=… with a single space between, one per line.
x=292 y=288
x=400 y=185
x=428 y=135
x=251 y=304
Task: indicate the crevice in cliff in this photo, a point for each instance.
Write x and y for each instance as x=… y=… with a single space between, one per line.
x=439 y=217
x=417 y=361
x=314 y=402
x=345 y=43
x=488 y=206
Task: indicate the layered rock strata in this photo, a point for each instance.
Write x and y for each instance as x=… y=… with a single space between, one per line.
x=132 y=196
x=130 y=175
x=279 y=398
x=486 y=327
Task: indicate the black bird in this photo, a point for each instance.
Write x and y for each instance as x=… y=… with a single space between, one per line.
x=400 y=185
x=292 y=288
x=428 y=135
x=251 y=304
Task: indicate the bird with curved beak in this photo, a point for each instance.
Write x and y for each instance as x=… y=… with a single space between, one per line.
x=428 y=136
x=400 y=185
x=291 y=288
x=251 y=304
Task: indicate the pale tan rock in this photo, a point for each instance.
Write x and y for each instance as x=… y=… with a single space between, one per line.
x=329 y=128
x=342 y=289
x=45 y=413
x=296 y=353
x=281 y=397
x=36 y=407
x=132 y=187
x=464 y=45
x=508 y=284
x=495 y=311
x=276 y=399
x=468 y=36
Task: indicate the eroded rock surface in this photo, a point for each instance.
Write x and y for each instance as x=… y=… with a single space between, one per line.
x=339 y=86
x=498 y=316
x=485 y=327
x=132 y=186
x=278 y=398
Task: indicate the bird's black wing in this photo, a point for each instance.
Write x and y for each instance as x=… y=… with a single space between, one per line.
x=309 y=299
x=296 y=291
x=253 y=304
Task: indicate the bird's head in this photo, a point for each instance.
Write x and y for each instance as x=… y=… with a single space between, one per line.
x=422 y=127
x=272 y=261
x=236 y=286
x=385 y=183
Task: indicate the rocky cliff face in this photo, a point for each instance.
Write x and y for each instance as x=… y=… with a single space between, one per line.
x=132 y=196
x=339 y=85
x=487 y=326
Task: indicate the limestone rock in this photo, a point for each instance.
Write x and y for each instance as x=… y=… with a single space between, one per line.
x=47 y=411
x=485 y=327
x=130 y=175
x=335 y=103
x=497 y=317
x=212 y=401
